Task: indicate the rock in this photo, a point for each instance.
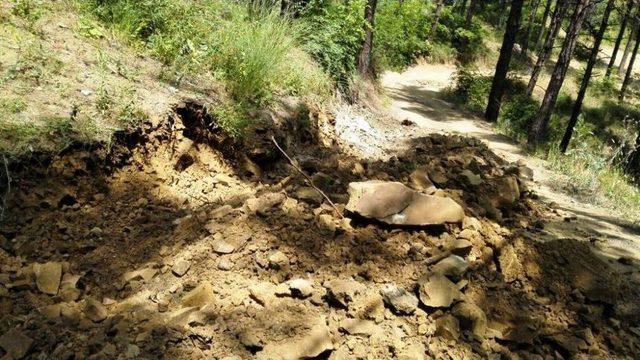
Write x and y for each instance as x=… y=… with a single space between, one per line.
x=394 y=203
x=222 y=247
x=326 y=223
x=68 y=288
x=94 y=310
x=250 y=341
x=224 y=265
x=420 y=181
x=448 y=327
x=263 y=293
x=358 y=326
x=471 y=223
x=132 y=352
x=438 y=291
x=571 y=344
x=180 y=318
x=309 y=346
x=509 y=263
x=16 y=344
x=262 y=204
x=221 y=211
x=278 y=260
x=48 y=277
x=309 y=195
x=200 y=296
x=452 y=266
x=301 y=288
x=145 y=274
x=180 y=267
x=415 y=351
x=472 y=178
x=507 y=192
x=471 y=317
x=460 y=247
x=438 y=177
x=400 y=300
x=342 y=291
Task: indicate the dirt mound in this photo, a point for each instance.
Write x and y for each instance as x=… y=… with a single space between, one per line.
x=178 y=242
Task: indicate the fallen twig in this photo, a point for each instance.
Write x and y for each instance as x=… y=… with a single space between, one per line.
x=273 y=139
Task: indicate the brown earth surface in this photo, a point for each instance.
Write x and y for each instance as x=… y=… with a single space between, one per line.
x=164 y=246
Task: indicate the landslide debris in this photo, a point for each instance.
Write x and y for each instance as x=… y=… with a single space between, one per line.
x=166 y=246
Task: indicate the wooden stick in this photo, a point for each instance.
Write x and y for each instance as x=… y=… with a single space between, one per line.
x=273 y=139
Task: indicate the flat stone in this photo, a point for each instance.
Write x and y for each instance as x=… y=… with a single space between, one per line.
x=94 y=310
x=16 y=344
x=507 y=192
x=145 y=274
x=472 y=178
x=180 y=267
x=308 y=346
x=201 y=295
x=222 y=247
x=343 y=291
x=452 y=266
x=448 y=327
x=68 y=287
x=471 y=223
x=263 y=293
x=278 y=260
x=461 y=247
x=358 y=327
x=300 y=288
x=438 y=291
x=420 y=181
x=48 y=277
x=309 y=195
x=395 y=204
x=262 y=204
x=471 y=317
x=225 y=265
x=399 y=299
x=509 y=263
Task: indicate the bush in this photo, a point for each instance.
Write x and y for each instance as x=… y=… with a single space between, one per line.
x=334 y=34
x=401 y=32
x=516 y=115
x=471 y=89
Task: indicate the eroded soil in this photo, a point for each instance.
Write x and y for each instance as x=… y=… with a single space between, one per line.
x=168 y=247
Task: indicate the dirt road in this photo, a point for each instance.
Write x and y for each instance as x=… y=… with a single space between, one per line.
x=416 y=95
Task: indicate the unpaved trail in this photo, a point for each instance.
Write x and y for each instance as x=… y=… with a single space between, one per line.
x=417 y=95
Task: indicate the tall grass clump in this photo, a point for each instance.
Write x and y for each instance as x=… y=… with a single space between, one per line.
x=253 y=50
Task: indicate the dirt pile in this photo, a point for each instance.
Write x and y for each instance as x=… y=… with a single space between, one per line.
x=164 y=247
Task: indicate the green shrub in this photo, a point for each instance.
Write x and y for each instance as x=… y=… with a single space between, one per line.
x=471 y=89
x=516 y=115
x=334 y=35
x=401 y=32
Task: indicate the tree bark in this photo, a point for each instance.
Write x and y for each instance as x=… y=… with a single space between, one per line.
x=470 y=12
x=627 y=77
x=622 y=67
x=540 y=123
x=436 y=20
x=543 y=25
x=556 y=22
x=616 y=46
x=502 y=67
x=364 y=59
x=527 y=34
x=593 y=58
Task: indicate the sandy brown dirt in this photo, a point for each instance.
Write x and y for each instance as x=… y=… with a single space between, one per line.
x=168 y=247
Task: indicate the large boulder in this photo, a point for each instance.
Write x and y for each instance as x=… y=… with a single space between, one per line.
x=396 y=204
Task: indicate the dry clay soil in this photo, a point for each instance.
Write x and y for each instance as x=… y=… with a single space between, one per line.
x=178 y=243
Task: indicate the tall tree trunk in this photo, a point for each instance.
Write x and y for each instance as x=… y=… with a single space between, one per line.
x=502 y=67
x=540 y=123
x=593 y=58
x=436 y=19
x=470 y=12
x=527 y=34
x=543 y=24
x=544 y=54
x=632 y=62
x=616 y=46
x=364 y=59
x=622 y=67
